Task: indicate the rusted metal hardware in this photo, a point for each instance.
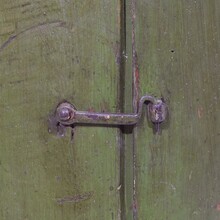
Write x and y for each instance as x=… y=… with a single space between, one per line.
x=67 y=115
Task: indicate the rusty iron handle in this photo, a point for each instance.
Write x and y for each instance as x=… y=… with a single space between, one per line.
x=67 y=115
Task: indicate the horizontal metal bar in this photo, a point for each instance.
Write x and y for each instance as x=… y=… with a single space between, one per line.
x=66 y=114
x=104 y=118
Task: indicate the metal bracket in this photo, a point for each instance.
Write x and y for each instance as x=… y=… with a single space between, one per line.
x=66 y=114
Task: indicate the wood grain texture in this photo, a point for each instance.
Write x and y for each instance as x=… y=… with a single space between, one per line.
x=178 y=47
x=55 y=50
x=50 y=51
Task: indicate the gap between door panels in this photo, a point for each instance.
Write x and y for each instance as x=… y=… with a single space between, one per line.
x=128 y=95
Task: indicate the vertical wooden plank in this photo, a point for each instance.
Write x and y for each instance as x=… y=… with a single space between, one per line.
x=54 y=50
x=129 y=106
x=178 y=53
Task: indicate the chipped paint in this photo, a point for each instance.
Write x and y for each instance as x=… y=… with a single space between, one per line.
x=75 y=198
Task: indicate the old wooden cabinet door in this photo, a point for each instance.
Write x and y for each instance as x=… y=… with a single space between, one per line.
x=177 y=173
x=103 y=56
x=54 y=50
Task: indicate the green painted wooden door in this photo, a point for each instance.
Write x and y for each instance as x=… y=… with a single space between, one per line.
x=177 y=173
x=54 y=50
x=103 y=56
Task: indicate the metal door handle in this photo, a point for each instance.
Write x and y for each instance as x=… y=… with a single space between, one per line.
x=67 y=115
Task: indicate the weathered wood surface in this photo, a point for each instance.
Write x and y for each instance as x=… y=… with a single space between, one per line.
x=53 y=50
x=178 y=46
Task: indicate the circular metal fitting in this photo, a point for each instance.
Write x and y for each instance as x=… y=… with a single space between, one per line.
x=65 y=112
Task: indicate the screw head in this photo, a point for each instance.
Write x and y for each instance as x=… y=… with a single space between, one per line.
x=65 y=112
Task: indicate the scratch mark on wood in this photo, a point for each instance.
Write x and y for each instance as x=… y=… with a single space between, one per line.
x=26 y=4
x=170 y=185
x=32 y=28
x=75 y=198
x=135 y=87
x=135 y=68
x=117 y=51
x=200 y=112
x=217 y=207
